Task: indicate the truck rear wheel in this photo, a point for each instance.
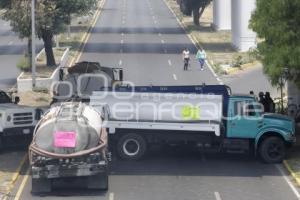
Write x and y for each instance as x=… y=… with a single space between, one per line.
x=41 y=185
x=131 y=147
x=272 y=150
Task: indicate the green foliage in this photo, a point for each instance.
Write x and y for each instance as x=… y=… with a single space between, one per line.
x=193 y=7
x=237 y=61
x=277 y=22
x=51 y=18
x=24 y=64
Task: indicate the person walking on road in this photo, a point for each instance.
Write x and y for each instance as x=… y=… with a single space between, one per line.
x=201 y=57
x=186 y=58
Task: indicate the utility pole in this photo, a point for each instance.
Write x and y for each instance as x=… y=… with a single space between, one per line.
x=33 y=44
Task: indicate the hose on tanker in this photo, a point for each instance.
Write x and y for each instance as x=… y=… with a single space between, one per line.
x=34 y=149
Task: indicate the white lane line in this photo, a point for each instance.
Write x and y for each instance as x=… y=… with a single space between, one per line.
x=170 y=63
x=218 y=196
x=162 y=41
x=155 y=22
x=159 y=34
x=120 y=62
x=10 y=43
x=111 y=196
x=285 y=177
x=123 y=22
x=122 y=34
x=175 y=77
x=122 y=41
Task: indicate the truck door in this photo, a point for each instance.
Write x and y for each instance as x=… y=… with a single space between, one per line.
x=244 y=119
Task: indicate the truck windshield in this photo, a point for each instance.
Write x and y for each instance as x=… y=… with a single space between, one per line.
x=4 y=98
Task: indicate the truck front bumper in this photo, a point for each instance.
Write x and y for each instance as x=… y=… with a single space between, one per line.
x=16 y=131
x=69 y=170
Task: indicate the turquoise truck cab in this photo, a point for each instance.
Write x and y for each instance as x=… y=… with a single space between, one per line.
x=269 y=133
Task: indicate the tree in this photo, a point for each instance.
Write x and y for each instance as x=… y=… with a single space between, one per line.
x=193 y=7
x=51 y=18
x=79 y=7
x=277 y=22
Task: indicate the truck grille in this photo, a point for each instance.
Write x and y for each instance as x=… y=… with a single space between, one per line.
x=23 y=118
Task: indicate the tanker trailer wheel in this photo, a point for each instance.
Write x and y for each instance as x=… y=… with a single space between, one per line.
x=272 y=150
x=98 y=182
x=131 y=147
x=41 y=185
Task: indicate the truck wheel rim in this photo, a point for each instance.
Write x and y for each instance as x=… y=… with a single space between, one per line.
x=274 y=150
x=131 y=147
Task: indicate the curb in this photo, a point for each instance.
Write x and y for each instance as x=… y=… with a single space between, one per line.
x=246 y=66
x=195 y=42
x=293 y=174
x=87 y=35
x=15 y=176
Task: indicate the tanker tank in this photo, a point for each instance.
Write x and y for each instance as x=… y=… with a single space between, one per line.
x=69 y=142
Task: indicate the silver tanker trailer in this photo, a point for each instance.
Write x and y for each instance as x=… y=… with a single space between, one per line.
x=69 y=146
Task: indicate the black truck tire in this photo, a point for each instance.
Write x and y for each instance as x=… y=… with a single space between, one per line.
x=98 y=182
x=272 y=150
x=41 y=186
x=131 y=147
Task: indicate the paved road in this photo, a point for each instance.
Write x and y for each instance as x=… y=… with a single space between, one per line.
x=11 y=49
x=250 y=79
x=144 y=38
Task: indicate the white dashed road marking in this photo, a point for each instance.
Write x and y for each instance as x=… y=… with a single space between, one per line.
x=111 y=196
x=175 y=77
x=170 y=63
x=162 y=41
x=218 y=196
x=120 y=62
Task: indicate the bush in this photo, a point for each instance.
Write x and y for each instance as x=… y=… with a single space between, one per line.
x=24 y=64
x=237 y=62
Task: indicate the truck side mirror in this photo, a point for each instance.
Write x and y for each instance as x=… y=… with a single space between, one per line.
x=17 y=100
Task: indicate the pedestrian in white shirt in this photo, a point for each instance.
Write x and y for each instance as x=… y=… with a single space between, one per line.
x=186 y=58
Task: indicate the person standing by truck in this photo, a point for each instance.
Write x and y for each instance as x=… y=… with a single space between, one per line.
x=270 y=106
x=201 y=57
x=186 y=58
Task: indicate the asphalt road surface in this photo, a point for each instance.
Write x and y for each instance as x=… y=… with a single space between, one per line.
x=11 y=49
x=144 y=38
x=251 y=79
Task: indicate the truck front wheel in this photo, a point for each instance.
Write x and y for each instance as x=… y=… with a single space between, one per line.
x=272 y=150
x=131 y=147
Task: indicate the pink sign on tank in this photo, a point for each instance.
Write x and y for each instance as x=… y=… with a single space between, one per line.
x=65 y=139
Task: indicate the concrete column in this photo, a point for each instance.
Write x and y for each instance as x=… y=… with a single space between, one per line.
x=242 y=37
x=222 y=14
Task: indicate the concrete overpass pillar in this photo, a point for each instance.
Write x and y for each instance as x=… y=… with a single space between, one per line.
x=242 y=37
x=222 y=14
